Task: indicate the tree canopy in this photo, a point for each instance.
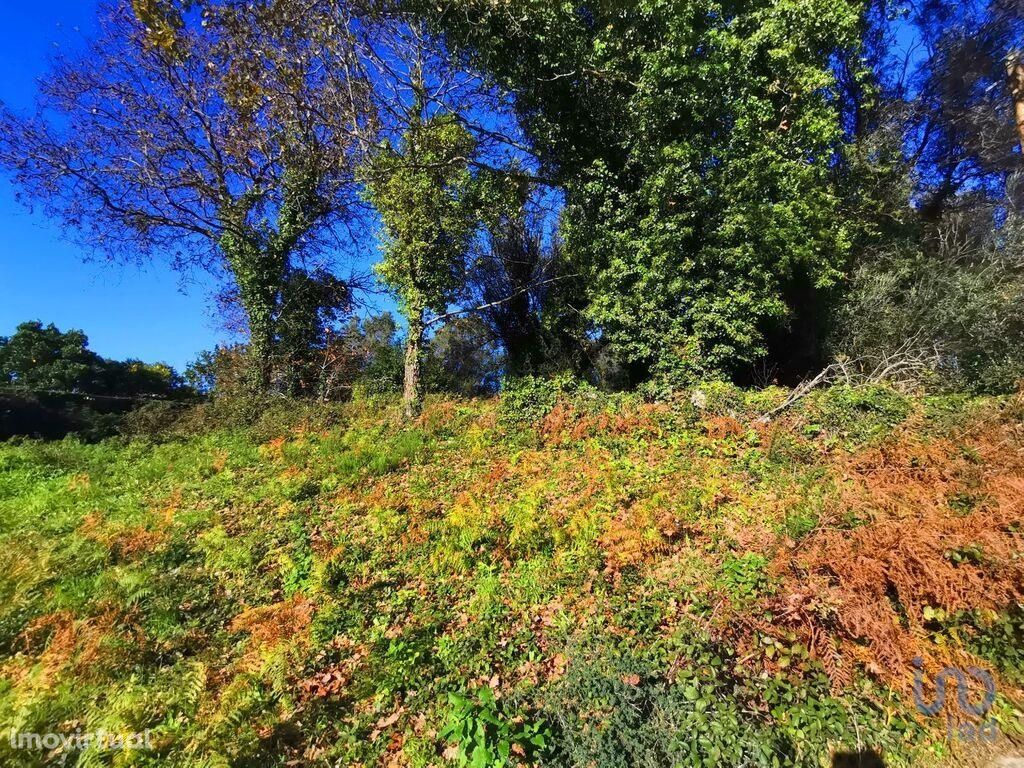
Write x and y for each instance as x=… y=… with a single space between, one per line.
x=648 y=193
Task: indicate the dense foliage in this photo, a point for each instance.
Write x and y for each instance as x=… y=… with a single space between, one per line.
x=51 y=384
x=422 y=192
x=39 y=358
x=648 y=193
x=562 y=579
x=614 y=213
x=697 y=163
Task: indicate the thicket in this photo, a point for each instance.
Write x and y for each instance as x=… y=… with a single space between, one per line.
x=642 y=196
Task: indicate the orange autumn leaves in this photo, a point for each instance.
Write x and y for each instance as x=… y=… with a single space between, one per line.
x=865 y=594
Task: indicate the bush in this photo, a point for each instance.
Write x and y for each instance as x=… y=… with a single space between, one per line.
x=529 y=399
x=619 y=707
x=959 y=304
x=858 y=413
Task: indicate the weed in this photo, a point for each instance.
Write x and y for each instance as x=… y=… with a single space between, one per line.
x=607 y=581
x=485 y=736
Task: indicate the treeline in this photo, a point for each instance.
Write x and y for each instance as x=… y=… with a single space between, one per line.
x=51 y=384
x=365 y=358
x=641 y=194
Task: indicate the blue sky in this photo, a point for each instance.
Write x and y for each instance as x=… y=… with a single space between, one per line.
x=147 y=312
x=150 y=313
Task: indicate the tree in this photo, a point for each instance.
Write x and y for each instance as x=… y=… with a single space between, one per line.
x=696 y=142
x=364 y=357
x=523 y=290
x=962 y=128
x=311 y=304
x=937 y=277
x=420 y=179
x=39 y=357
x=43 y=359
x=223 y=134
x=378 y=352
x=462 y=358
x=421 y=189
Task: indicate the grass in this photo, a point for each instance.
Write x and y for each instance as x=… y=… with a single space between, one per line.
x=565 y=580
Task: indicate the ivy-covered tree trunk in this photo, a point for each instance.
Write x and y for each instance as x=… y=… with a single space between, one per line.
x=421 y=189
x=260 y=313
x=258 y=274
x=412 y=391
x=1015 y=76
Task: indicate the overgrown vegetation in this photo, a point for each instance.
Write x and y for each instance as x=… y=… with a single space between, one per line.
x=556 y=578
x=645 y=194
x=616 y=214
x=52 y=384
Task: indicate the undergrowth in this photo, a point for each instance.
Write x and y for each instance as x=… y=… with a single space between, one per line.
x=560 y=578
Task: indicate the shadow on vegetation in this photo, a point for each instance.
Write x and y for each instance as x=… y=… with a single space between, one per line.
x=866 y=759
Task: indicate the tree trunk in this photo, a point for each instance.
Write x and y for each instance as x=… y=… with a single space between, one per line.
x=412 y=395
x=260 y=346
x=259 y=274
x=1015 y=76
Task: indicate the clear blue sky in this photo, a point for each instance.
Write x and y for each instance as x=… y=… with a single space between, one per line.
x=126 y=311
x=151 y=313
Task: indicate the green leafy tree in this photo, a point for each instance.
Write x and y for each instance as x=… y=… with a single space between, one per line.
x=378 y=353
x=422 y=191
x=42 y=359
x=39 y=357
x=696 y=142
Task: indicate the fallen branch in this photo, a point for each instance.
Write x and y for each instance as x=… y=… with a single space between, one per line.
x=907 y=364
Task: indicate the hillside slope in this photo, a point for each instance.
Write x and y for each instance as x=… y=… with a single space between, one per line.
x=574 y=581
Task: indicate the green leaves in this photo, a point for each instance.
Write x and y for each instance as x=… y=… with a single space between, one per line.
x=696 y=142
x=422 y=191
x=486 y=738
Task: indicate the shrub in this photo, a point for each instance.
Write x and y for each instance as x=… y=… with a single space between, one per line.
x=529 y=399
x=859 y=413
x=960 y=304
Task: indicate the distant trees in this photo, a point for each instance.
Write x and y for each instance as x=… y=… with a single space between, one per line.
x=51 y=384
x=462 y=358
x=938 y=271
x=527 y=293
x=225 y=135
x=365 y=358
x=41 y=358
